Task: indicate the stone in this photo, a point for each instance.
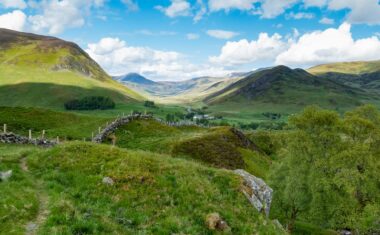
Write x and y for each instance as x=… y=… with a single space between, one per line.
x=108 y=181
x=4 y=176
x=215 y=222
x=257 y=191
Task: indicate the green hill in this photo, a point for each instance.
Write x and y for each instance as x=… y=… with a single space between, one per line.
x=281 y=88
x=46 y=71
x=151 y=193
x=365 y=75
x=358 y=67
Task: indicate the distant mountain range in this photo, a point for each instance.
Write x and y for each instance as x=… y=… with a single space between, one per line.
x=134 y=78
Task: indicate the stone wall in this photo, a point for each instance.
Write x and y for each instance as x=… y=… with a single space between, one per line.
x=111 y=128
x=11 y=138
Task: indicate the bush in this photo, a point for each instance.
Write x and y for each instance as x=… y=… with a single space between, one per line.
x=90 y=103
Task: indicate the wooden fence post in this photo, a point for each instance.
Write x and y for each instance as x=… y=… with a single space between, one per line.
x=100 y=130
x=43 y=134
x=57 y=139
x=5 y=128
x=30 y=134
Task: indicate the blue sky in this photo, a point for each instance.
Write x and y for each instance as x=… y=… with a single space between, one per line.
x=181 y=39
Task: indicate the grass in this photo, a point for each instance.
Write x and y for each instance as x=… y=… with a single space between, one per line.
x=19 y=203
x=152 y=194
x=358 y=67
x=65 y=125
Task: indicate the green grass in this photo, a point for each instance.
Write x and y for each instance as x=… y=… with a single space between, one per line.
x=65 y=125
x=152 y=194
x=18 y=200
x=358 y=67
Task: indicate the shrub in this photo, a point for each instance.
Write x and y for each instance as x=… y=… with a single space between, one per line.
x=149 y=104
x=90 y=103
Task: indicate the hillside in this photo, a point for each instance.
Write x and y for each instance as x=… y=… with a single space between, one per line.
x=365 y=75
x=285 y=87
x=60 y=191
x=46 y=71
x=356 y=68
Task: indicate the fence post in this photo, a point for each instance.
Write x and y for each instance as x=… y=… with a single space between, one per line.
x=43 y=134
x=5 y=128
x=100 y=130
x=57 y=139
x=92 y=136
x=30 y=134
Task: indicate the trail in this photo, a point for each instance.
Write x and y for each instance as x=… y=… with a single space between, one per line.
x=32 y=226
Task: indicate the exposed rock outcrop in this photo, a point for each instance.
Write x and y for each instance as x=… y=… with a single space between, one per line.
x=257 y=191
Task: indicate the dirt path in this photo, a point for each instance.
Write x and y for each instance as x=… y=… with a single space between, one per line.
x=32 y=227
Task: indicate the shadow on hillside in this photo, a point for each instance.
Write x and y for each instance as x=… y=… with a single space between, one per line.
x=51 y=95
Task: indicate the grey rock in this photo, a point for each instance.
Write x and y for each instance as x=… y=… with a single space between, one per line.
x=11 y=138
x=257 y=191
x=4 y=176
x=108 y=181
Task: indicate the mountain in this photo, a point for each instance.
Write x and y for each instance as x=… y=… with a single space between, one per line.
x=287 y=87
x=46 y=71
x=364 y=74
x=134 y=78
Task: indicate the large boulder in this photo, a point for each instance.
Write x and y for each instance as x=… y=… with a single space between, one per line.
x=257 y=191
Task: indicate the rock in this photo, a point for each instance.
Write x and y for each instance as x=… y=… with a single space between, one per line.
x=215 y=222
x=108 y=181
x=257 y=191
x=4 y=176
x=11 y=138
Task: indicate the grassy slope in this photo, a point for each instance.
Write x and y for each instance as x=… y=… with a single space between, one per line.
x=153 y=194
x=285 y=91
x=216 y=147
x=19 y=203
x=358 y=67
x=31 y=76
x=69 y=125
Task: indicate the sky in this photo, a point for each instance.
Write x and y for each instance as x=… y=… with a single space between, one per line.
x=182 y=39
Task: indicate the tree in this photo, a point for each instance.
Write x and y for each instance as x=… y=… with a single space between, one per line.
x=329 y=173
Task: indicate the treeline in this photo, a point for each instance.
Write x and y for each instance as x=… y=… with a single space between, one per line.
x=90 y=103
x=329 y=171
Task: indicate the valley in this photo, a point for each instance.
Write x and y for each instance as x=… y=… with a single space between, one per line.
x=309 y=136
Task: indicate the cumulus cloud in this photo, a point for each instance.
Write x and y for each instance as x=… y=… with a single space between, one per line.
x=363 y=11
x=264 y=49
x=221 y=34
x=176 y=8
x=118 y=58
x=57 y=15
x=13 y=4
x=331 y=45
x=13 y=20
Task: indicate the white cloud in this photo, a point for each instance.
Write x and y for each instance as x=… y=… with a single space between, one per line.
x=13 y=4
x=313 y=48
x=264 y=49
x=326 y=20
x=131 y=5
x=300 y=15
x=331 y=45
x=315 y=3
x=362 y=11
x=176 y=8
x=201 y=11
x=57 y=15
x=217 y=5
x=222 y=34
x=118 y=58
x=274 y=8
x=13 y=20
x=192 y=36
